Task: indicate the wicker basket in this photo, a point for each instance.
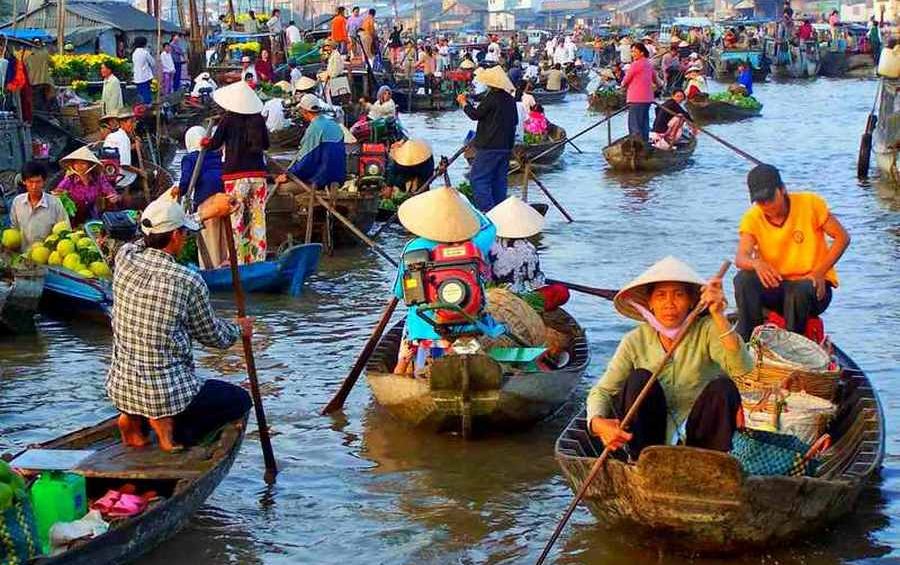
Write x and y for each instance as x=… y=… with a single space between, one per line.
x=90 y=118
x=519 y=318
x=799 y=414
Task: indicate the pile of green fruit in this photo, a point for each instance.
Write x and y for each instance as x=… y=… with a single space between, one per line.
x=739 y=100
x=72 y=250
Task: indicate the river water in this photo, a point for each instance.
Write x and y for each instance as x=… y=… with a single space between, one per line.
x=360 y=488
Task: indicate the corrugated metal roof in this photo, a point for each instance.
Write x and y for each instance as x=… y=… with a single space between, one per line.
x=119 y=15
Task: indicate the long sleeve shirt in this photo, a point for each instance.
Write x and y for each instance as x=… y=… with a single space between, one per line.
x=661 y=122
x=159 y=308
x=639 y=82
x=497 y=117
x=699 y=359
x=85 y=194
x=232 y=134
x=167 y=63
x=322 y=158
x=111 y=98
x=142 y=65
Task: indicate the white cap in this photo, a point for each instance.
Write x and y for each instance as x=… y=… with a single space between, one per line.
x=164 y=215
x=310 y=103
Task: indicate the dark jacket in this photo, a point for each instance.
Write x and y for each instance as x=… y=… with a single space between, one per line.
x=235 y=132
x=210 y=180
x=661 y=122
x=497 y=118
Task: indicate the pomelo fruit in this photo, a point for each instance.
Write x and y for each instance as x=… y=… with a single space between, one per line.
x=59 y=227
x=11 y=238
x=40 y=255
x=65 y=247
x=72 y=262
x=86 y=273
x=100 y=269
x=54 y=259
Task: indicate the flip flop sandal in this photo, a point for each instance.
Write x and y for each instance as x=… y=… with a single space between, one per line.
x=106 y=503
x=128 y=505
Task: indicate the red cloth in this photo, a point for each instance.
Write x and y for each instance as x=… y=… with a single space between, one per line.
x=555 y=295
x=815 y=328
x=639 y=82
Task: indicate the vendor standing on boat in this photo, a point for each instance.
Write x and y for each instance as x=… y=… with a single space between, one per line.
x=690 y=393
x=35 y=212
x=436 y=216
x=142 y=65
x=160 y=307
x=209 y=183
x=639 y=81
x=322 y=157
x=785 y=261
x=337 y=86
x=495 y=136
x=242 y=132
x=85 y=184
x=111 y=98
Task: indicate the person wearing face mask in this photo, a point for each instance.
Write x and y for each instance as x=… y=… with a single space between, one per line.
x=691 y=402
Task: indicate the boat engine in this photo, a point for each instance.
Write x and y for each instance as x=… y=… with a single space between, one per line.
x=448 y=274
x=372 y=162
x=110 y=163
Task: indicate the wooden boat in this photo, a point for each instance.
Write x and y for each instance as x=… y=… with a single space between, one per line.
x=608 y=103
x=700 y=499
x=631 y=153
x=68 y=292
x=283 y=274
x=724 y=63
x=834 y=64
x=49 y=130
x=475 y=393
x=796 y=61
x=286 y=139
x=886 y=138
x=20 y=296
x=184 y=481
x=525 y=152
x=717 y=111
x=544 y=97
x=437 y=101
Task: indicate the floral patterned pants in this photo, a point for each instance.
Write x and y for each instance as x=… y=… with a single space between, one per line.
x=249 y=220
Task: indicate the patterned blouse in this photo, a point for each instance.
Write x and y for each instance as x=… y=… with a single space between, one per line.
x=159 y=306
x=515 y=262
x=85 y=195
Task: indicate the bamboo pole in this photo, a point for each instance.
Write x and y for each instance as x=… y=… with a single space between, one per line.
x=159 y=81
x=61 y=26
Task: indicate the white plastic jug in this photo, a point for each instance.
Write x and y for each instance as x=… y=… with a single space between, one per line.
x=889 y=64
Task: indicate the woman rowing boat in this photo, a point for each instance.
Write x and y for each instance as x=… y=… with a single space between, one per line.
x=690 y=393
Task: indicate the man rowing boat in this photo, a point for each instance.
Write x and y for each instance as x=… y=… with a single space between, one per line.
x=786 y=264
x=160 y=307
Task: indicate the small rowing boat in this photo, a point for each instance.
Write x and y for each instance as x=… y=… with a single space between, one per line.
x=286 y=139
x=543 y=96
x=631 y=153
x=20 y=294
x=69 y=292
x=523 y=152
x=473 y=393
x=606 y=101
x=435 y=102
x=710 y=111
x=285 y=273
x=183 y=482
x=700 y=500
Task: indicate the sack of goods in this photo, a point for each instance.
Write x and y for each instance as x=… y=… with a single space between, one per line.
x=518 y=316
x=798 y=414
x=788 y=360
x=889 y=63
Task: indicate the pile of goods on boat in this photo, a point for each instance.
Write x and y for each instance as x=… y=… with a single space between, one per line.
x=738 y=98
x=74 y=251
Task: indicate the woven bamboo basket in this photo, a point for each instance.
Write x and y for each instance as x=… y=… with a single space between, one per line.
x=517 y=315
x=90 y=118
x=799 y=414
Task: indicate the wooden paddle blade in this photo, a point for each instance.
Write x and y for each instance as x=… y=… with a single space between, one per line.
x=865 y=154
x=337 y=402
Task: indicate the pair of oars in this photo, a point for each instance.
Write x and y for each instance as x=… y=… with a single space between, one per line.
x=626 y=421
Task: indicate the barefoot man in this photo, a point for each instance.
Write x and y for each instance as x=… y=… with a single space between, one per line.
x=160 y=306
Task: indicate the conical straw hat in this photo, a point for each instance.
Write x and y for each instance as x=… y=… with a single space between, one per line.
x=193 y=138
x=516 y=219
x=305 y=83
x=467 y=64
x=495 y=77
x=669 y=269
x=441 y=215
x=238 y=98
x=411 y=152
x=80 y=154
x=284 y=85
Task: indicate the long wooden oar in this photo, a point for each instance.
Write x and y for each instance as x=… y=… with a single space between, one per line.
x=337 y=401
x=607 y=293
x=734 y=148
x=264 y=439
x=546 y=192
x=517 y=168
x=438 y=172
x=343 y=219
x=865 y=142
x=629 y=416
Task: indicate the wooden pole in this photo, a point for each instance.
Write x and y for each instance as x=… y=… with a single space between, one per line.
x=626 y=421
x=158 y=71
x=264 y=439
x=61 y=26
x=556 y=203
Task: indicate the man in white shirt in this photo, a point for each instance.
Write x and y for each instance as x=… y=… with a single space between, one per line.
x=293 y=34
x=168 y=69
x=493 y=51
x=625 y=51
x=273 y=112
x=274 y=23
x=118 y=138
x=142 y=69
x=35 y=212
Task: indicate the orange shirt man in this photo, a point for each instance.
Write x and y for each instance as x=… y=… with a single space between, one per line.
x=339 y=28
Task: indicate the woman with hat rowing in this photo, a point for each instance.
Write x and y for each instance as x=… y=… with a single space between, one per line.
x=242 y=132
x=696 y=85
x=322 y=157
x=438 y=216
x=411 y=164
x=85 y=183
x=691 y=402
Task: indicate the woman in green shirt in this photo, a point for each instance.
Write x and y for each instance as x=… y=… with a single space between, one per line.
x=691 y=402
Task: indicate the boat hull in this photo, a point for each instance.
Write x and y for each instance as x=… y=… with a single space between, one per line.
x=660 y=495
x=19 y=301
x=716 y=111
x=544 y=97
x=285 y=274
x=473 y=390
x=66 y=292
x=632 y=154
